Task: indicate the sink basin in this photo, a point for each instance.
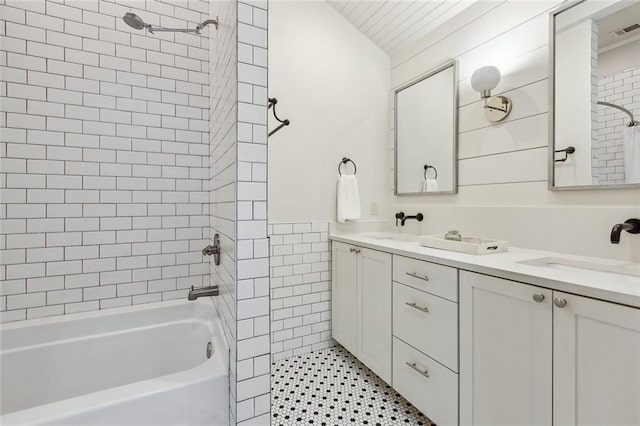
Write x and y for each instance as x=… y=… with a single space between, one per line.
x=391 y=236
x=469 y=245
x=578 y=265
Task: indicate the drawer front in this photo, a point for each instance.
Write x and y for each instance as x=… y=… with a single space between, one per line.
x=436 y=395
x=426 y=322
x=430 y=277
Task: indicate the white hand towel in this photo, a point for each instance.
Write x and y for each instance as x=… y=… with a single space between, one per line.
x=348 y=198
x=430 y=185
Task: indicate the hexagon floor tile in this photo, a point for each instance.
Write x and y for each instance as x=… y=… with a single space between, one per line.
x=330 y=387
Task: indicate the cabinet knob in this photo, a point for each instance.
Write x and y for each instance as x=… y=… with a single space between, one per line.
x=560 y=302
x=538 y=297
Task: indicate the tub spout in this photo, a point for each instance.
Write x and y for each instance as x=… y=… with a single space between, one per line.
x=194 y=293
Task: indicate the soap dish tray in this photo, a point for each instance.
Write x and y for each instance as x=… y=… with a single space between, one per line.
x=468 y=245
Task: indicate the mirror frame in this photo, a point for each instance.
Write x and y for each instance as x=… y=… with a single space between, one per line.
x=551 y=180
x=454 y=64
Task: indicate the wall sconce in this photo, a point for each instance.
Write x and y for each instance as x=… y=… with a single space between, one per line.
x=484 y=80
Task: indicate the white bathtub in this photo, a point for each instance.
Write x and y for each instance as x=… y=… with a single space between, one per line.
x=141 y=365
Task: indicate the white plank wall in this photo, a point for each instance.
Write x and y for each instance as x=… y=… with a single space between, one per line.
x=503 y=167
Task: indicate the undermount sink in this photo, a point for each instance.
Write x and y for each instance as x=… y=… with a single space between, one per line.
x=392 y=236
x=468 y=245
x=575 y=265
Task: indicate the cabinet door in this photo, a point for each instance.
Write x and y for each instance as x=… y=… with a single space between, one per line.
x=505 y=352
x=344 y=295
x=374 y=309
x=596 y=362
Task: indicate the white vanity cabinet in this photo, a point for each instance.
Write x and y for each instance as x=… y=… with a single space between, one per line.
x=526 y=349
x=425 y=337
x=361 y=305
x=505 y=352
x=596 y=362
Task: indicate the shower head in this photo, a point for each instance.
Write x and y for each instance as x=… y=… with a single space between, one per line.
x=134 y=21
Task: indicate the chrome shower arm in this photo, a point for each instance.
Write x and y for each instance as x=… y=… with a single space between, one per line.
x=153 y=29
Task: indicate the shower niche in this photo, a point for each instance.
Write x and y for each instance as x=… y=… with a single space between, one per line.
x=595 y=88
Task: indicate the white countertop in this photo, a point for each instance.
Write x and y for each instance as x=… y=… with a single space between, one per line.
x=618 y=288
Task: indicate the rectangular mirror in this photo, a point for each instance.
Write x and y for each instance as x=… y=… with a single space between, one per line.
x=426 y=133
x=595 y=95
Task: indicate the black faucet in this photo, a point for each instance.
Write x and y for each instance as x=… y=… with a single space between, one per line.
x=632 y=226
x=403 y=218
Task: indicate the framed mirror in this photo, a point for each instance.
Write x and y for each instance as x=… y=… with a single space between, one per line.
x=595 y=95
x=426 y=133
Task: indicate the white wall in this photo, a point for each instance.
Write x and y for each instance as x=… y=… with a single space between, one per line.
x=619 y=59
x=104 y=156
x=575 y=48
x=503 y=168
x=332 y=83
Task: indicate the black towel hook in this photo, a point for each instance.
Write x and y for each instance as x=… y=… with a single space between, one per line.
x=272 y=103
x=346 y=160
x=427 y=167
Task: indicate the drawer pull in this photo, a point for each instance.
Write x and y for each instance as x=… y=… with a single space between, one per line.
x=414 y=366
x=420 y=308
x=354 y=250
x=414 y=275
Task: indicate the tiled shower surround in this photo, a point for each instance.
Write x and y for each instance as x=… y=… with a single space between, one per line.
x=104 y=146
x=238 y=191
x=623 y=89
x=300 y=288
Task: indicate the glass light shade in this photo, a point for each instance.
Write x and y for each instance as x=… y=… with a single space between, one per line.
x=485 y=78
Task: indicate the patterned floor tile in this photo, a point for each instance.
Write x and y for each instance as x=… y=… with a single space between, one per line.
x=330 y=387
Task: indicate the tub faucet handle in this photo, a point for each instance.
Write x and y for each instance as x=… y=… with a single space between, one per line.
x=213 y=249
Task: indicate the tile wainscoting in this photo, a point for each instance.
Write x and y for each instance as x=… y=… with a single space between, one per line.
x=300 y=288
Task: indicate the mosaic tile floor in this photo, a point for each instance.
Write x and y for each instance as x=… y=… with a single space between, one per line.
x=331 y=387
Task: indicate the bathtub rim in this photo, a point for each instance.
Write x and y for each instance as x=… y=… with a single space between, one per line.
x=212 y=369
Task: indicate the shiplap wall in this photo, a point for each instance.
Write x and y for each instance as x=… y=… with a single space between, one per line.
x=503 y=167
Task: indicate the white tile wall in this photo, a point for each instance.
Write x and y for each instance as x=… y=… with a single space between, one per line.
x=238 y=203
x=253 y=350
x=622 y=89
x=300 y=288
x=104 y=155
x=222 y=174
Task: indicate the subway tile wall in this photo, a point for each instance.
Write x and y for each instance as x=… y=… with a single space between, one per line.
x=253 y=386
x=300 y=288
x=222 y=174
x=238 y=202
x=105 y=153
x=622 y=88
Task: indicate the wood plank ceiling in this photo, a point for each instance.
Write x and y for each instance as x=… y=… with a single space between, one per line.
x=396 y=24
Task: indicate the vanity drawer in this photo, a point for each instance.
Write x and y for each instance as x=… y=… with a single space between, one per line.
x=430 y=277
x=434 y=332
x=432 y=388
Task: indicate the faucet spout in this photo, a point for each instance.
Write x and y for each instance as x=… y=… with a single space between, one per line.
x=419 y=217
x=632 y=226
